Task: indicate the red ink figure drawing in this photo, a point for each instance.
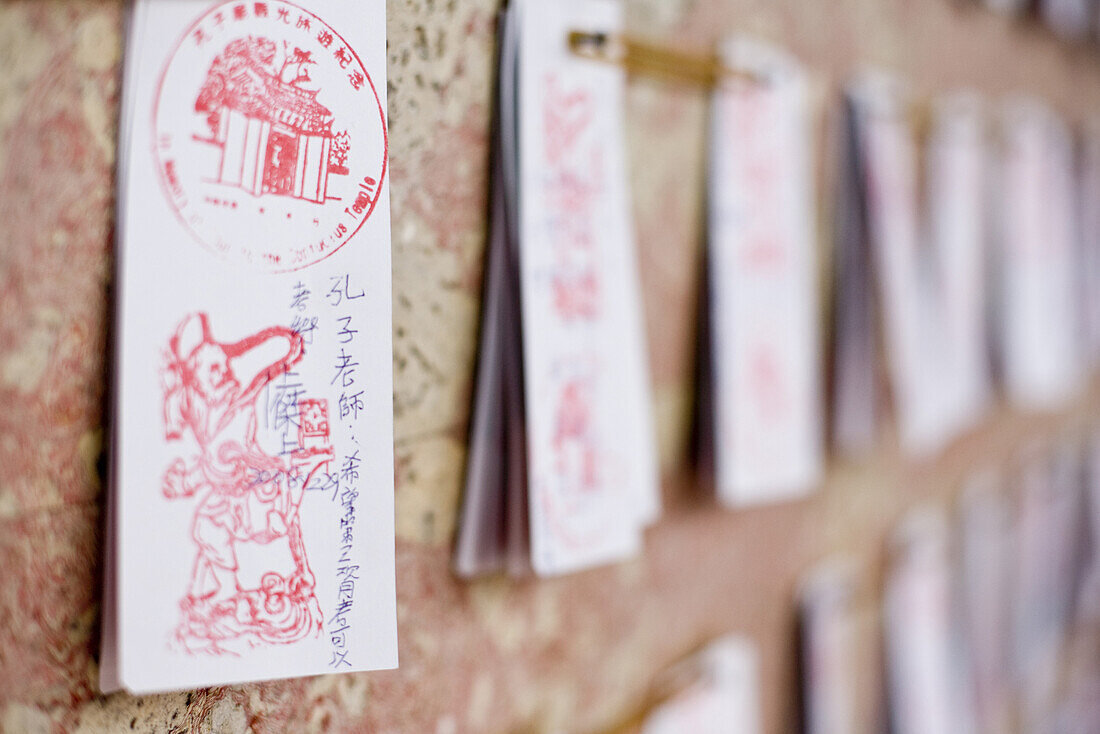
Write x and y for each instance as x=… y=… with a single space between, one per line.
x=274 y=136
x=249 y=497
x=583 y=480
x=268 y=125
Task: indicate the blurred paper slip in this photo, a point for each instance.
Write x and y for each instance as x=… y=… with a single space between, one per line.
x=1089 y=599
x=827 y=632
x=828 y=648
x=482 y=541
x=762 y=282
x=1089 y=254
x=723 y=699
x=1039 y=332
x=956 y=200
x=927 y=269
x=569 y=319
x=1047 y=540
x=986 y=564
x=251 y=501
x=917 y=620
x=907 y=292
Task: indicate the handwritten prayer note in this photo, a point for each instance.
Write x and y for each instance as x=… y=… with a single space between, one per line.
x=252 y=484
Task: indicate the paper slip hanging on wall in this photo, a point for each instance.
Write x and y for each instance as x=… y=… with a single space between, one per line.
x=251 y=502
x=1088 y=601
x=956 y=226
x=591 y=443
x=924 y=308
x=1047 y=537
x=1089 y=254
x=724 y=696
x=496 y=447
x=924 y=687
x=985 y=570
x=880 y=242
x=1041 y=354
x=827 y=644
x=906 y=293
x=764 y=345
x=562 y=326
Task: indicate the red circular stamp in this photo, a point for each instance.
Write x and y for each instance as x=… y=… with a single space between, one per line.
x=269 y=136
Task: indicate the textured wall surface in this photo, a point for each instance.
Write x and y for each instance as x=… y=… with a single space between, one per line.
x=574 y=653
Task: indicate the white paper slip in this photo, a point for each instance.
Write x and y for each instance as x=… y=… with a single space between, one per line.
x=907 y=291
x=1078 y=710
x=1089 y=208
x=828 y=649
x=986 y=565
x=252 y=481
x=762 y=281
x=911 y=282
x=956 y=202
x=724 y=698
x=1088 y=601
x=591 y=462
x=917 y=621
x=1047 y=536
x=1041 y=350
x=562 y=468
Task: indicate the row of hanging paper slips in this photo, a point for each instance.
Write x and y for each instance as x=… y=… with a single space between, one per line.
x=987 y=621
x=975 y=255
x=252 y=398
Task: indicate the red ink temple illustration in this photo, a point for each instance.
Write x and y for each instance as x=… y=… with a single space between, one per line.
x=275 y=137
x=249 y=496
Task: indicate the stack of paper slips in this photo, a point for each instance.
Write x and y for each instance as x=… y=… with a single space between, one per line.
x=562 y=468
x=251 y=495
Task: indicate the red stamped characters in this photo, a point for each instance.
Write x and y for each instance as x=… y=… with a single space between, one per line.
x=572 y=183
x=270 y=139
x=251 y=582
x=313 y=430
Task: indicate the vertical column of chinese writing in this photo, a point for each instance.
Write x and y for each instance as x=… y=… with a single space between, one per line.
x=345 y=381
x=286 y=394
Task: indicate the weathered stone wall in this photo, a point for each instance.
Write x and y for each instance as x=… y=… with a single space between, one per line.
x=573 y=653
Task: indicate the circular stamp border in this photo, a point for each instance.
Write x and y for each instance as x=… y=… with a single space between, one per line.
x=159 y=88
